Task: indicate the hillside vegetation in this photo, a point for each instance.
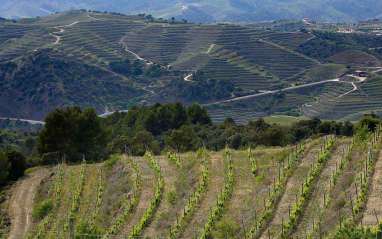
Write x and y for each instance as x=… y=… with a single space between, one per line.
x=112 y=61
x=209 y=11
x=318 y=187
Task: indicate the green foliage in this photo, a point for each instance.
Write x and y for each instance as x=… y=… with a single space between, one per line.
x=99 y=196
x=173 y=159
x=252 y=160
x=137 y=69
x=86 y=230
x=5 y=166
x=276 y=193
x=18 y=164
x=226 y=228
x=195 y=198
x=181 y=140
x=370 y=121
x=329 y=43
x=49 y=218
x=155 y=119
x=222 y=199
x=109 y=164
x=171 y=197
x=79 y=191
x=42 y=209
x=308 y=186
x=129 y=205
x=150 y=212
x=73 y=133
x=43 y=82
x=201 y=89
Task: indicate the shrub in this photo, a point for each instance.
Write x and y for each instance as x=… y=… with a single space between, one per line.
x=42 y=209
x=171 y=197
x=109 y=164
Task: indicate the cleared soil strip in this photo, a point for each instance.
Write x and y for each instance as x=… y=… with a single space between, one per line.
x=22 y=202
x=293 y=188
x=322 y=186
x=169 y=173
x=216 y=182
x=148 y=184
x=375 y=196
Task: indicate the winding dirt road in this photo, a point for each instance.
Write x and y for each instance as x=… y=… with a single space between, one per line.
x=21 y=204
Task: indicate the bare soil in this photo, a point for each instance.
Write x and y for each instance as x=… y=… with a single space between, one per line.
x=22 y=202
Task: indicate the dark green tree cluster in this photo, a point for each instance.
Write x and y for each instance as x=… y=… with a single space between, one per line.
x=201 y=89
x=182 y=128
x=146 y=127
x=328 y=43
x=72 y=133
x=12 y=166
x=136 y=68
x=155 y=119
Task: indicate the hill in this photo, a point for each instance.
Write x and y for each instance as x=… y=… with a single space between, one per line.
x=207 y=11
x=111 y=61
x=259 y=192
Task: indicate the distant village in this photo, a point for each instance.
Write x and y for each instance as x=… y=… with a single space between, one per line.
x=362 y=27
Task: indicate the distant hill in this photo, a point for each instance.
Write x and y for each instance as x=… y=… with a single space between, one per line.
x=207 y=11
x=112 y=61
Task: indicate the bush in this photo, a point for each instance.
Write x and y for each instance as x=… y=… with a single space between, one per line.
x=109 y=164
x=42 y=209
x=171 y=197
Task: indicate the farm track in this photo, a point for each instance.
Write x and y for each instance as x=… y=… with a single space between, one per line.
x=322 y=186
x=375 y=200
x=216 y=182
x=169 y=173
x=148 y=184
x=293 y=188
x=22 y=202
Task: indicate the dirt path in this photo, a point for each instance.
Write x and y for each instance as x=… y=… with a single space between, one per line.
x=187 y=78
x=375 y=199
x=127 y=49
x=210 y=48
x=21 y=204
x=317 y=201
x=148 y=184
x=293 y=188
x=169 y=173
x=215 y=184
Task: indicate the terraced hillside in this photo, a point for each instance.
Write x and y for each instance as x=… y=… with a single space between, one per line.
x=142 y=60
x=296 y=190
x=351 y=105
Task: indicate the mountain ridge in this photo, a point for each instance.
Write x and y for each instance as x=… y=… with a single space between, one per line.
x=208 y=11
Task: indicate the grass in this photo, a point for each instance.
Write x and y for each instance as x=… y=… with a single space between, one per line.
x=283 y=119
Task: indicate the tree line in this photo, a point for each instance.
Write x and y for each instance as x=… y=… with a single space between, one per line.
x=73 y=134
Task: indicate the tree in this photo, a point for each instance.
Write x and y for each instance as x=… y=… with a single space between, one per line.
x=370 y=121
x=179 y=116
x=276 y=136
x=143 y=141
x=5 y=166
x=119 y=145
x=183 y=139
x=73 y=133
x=347 y=129
x=198 y=115
x=18 y=163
